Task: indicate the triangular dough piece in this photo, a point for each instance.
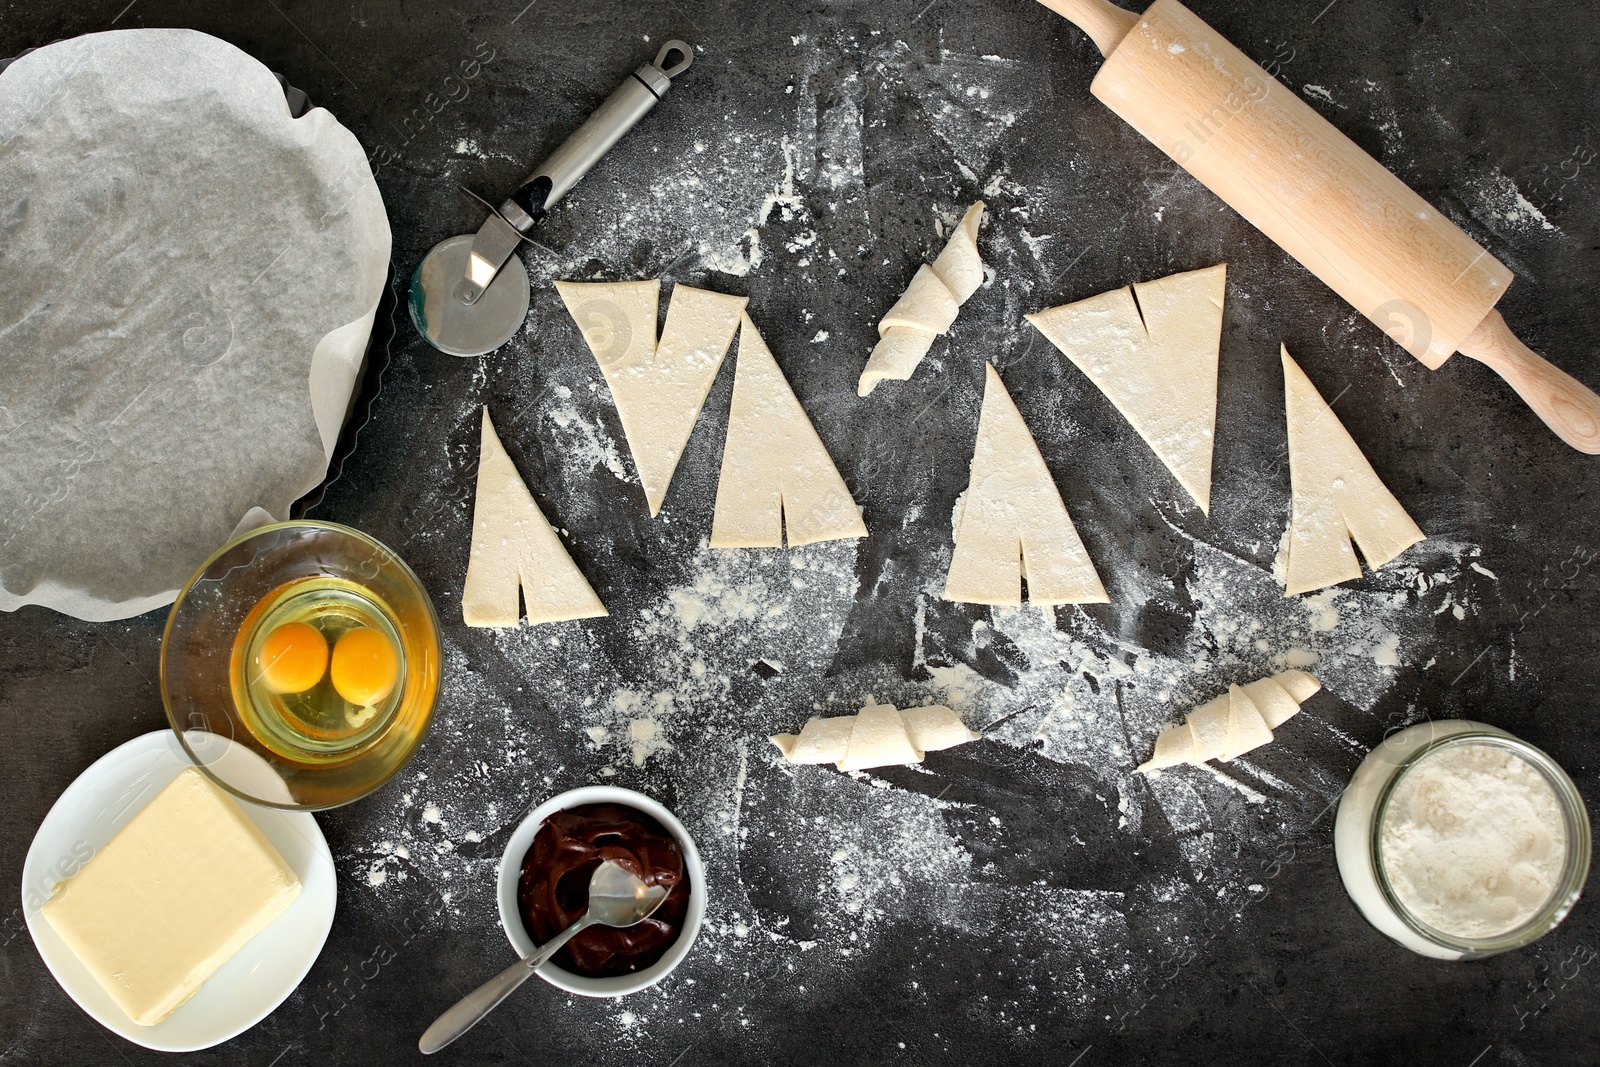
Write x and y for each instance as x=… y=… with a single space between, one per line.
x=1013 y=523
x=1334 y=495
x=1247 y=727
x=776 y=474
x=658 y=388
x=1152 y=349
x=513 y=547
x=879 y=739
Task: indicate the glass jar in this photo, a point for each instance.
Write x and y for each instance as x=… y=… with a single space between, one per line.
x=1359 y=839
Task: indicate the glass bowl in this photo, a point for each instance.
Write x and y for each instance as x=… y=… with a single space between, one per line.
x=1358 y=839
x=209 y=706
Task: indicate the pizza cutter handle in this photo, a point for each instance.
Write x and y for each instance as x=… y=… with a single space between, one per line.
x=622 y=110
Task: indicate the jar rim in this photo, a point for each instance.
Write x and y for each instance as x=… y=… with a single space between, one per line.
x=1575 y=865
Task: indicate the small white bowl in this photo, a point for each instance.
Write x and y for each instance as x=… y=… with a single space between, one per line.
x=511 y=871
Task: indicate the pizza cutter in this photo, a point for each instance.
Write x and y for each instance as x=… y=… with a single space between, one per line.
x=470 y=294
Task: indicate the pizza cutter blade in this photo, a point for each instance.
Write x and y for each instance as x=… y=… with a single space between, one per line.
x=447 y=320
x=470 y=294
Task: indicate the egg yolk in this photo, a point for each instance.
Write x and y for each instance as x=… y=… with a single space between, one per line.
x=293 y=658
x=365 y=666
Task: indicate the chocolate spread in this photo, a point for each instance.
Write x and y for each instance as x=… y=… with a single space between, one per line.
x=553 y=892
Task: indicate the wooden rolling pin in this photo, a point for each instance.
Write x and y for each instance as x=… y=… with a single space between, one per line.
x=1310 y=188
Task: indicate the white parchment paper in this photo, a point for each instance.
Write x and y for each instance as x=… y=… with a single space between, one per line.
x=188 y=278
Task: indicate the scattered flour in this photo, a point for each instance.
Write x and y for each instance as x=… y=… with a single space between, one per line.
x=581 y=438
x=1320 y=92
x=676 y=695
x=1497 y=203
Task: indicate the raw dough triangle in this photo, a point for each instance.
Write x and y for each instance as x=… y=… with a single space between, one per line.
x=1013 y=524
x=1152 y=349
x=776 y=474
x=658 y=388
x=1334 y=495
x=513 y=547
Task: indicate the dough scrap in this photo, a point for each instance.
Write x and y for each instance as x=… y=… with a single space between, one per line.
x=928 y=307
x=1152 y=349
x=1238 y=721
x=879 y=735
x=1334 y=495
x=659 y=388
x=776 y=475
x=1012 y=523
x=514 y=547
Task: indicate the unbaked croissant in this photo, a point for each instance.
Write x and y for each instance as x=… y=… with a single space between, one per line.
x=1239 y=720
x=928 y=307
x=879 y=735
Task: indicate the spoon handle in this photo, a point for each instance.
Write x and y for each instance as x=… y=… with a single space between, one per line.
x=481 y=1001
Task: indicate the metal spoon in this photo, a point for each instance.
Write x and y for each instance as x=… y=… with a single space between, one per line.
x=616 y=898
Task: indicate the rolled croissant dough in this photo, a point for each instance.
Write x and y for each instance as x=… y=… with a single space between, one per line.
x=514 y=548
x=1152 y=350
x=1012 y=521
x=928 y=307
x=879 y=735
x=776 y=475
x=1238 y=721
x=659 y=388
x=1334 y=495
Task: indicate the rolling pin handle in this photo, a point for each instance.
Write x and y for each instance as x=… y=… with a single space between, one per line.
x=1565 y=404
x=1104 y=22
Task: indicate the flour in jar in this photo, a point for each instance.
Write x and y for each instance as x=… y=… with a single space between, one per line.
x=1473 y=840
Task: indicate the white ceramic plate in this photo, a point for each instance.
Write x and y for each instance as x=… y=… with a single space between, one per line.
x=246 y=988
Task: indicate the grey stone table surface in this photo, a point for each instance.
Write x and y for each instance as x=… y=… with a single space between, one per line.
x=1026 y=897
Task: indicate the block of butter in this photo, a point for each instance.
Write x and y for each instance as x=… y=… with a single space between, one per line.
x=172 y=897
